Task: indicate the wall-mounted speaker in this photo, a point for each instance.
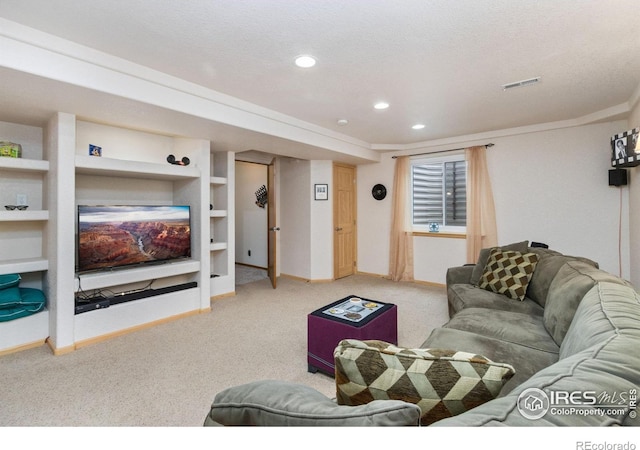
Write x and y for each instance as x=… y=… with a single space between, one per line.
x=617 y=177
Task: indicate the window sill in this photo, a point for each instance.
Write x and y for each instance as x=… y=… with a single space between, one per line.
x=440 y=234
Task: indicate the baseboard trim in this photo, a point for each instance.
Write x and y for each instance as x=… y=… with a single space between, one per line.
x=22 y=347
x=221 y=296
x=307 y=280
x=386 y=277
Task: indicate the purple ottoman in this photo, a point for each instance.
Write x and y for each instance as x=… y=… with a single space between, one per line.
x=352 y=317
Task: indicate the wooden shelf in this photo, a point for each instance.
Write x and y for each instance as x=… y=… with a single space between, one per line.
x=218 y=213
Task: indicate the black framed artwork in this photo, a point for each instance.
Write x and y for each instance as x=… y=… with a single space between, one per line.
x=321 y=192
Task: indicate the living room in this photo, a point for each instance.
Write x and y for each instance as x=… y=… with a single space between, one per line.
x=549 y=175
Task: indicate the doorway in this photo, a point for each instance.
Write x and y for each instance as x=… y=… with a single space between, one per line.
x=344 y=220
x=250 y=221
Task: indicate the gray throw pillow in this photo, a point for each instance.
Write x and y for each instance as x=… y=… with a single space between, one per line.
x=280 y=403
x=483 y=257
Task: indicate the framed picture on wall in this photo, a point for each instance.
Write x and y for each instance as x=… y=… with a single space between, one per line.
x=321 y=192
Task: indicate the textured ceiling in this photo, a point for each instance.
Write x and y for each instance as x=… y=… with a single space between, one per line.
x=437 y=62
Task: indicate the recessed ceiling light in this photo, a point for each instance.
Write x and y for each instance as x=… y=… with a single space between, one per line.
x=418 y=126
x=381 y=105
x=343 y=121
x=305 y=61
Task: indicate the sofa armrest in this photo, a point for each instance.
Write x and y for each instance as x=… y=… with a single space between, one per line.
x=459 y=274
x=281 y=403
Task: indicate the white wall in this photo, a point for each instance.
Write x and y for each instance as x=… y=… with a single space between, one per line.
x=251 y=220
x=306 y=236
x=295 y=218
x=634 y=206
x=321 y=222
x=549 y=186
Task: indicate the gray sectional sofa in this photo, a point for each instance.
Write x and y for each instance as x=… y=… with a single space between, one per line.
x=573 y=341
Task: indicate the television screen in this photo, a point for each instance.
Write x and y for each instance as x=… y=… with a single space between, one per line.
x=115 y=236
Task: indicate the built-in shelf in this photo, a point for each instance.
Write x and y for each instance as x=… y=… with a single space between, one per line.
x=218 y=213
x=99 y=280
x=93 y=165
x=23 y=216
x=26 y=165
x=215 y=246
x=218 y=180
x=24 y=265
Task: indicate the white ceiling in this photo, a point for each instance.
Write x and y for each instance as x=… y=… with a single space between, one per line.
x=437 y=62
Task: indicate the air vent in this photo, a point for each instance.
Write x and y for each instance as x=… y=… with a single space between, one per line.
x=522 y=83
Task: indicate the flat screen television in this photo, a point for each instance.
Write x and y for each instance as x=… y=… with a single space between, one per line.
x=117 y=236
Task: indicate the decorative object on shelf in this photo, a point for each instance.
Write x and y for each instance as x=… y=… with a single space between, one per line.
x=94 y=150
x=434 y=227
x=321 y=192
x=379 y=192
x=183 y=162
x=625 y=149
x=10 y=149
x=210 y=206
x=261 y=196
x=18 y=207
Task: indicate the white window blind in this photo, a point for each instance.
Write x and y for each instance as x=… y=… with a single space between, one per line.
x=440 y=193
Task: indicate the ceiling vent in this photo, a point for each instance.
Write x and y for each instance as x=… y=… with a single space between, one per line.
x=522 y=83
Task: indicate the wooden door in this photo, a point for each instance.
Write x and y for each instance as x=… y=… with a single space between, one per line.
x=272 y=228
x=344 y=220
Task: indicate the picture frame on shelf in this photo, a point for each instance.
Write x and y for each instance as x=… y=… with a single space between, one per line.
x=321 y=192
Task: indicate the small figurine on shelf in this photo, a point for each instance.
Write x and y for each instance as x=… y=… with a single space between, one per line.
x=94 y=150
x=10 y=149
x=183 y=162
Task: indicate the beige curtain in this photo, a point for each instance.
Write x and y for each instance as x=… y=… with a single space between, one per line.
x=481 y=214
x=401 y=242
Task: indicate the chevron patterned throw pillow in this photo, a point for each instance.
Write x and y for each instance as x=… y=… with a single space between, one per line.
x=508 y=273
x=443 y=383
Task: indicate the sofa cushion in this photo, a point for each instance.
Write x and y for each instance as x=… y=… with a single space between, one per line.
x=9 y=280
x=31 y=302
x=573 y=280
x=599 y=355
x=441 y=382
x=525 y=360
x=483 y=257
x=462 y=296
x=517 y=328
x=508 y=272
x=279 y=403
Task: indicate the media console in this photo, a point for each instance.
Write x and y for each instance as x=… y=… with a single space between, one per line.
x=100 y=302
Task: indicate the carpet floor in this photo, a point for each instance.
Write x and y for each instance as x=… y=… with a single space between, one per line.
x=168 y=375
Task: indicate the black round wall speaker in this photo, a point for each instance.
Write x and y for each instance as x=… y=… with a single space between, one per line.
x=379 y=192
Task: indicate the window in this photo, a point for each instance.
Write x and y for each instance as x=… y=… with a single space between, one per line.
x=439 y=193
